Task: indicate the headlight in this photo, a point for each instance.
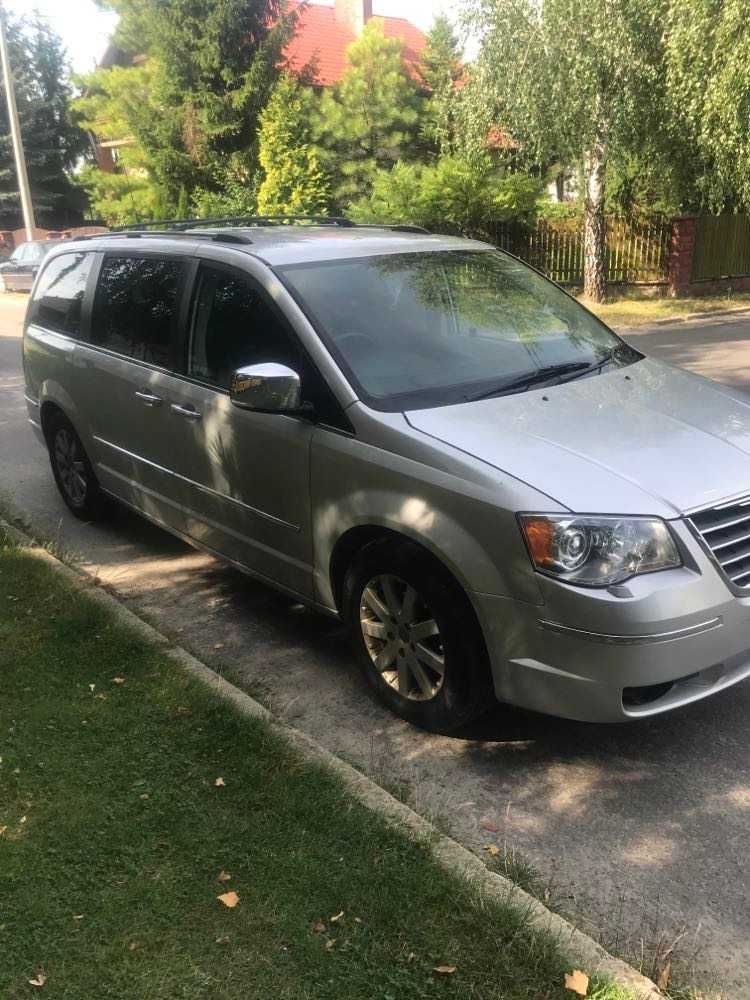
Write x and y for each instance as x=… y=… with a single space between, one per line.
x=596 y=551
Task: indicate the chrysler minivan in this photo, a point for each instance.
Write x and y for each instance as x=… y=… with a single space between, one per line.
x=417 y=434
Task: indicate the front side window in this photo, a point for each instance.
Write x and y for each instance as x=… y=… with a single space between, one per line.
x=233 y=326
x=58 y=298
x=428 y=329
x=135 y=306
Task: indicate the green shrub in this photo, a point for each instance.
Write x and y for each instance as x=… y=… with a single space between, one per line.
x=450 y=196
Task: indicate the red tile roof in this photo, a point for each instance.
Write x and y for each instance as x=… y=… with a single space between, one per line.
x=322 y=40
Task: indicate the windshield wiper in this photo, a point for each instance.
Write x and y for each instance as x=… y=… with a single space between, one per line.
x=547 y=373
x=544 y=374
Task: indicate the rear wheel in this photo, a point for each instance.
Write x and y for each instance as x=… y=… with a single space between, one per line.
x=415 y=636
x=72 y=470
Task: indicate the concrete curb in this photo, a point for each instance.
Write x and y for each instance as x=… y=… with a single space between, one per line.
x=582 y=950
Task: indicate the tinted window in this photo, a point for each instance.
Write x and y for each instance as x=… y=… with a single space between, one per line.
x=59 y=295
x=234 y=326
x=134 y=309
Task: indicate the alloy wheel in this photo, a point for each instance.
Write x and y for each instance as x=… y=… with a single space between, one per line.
x=402 y=637
x=70 y=466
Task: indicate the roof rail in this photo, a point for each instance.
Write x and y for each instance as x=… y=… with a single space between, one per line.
x=178 y=225
x=130 y=234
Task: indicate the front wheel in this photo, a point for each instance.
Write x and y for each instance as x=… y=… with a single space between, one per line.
x=415 y=636
x=72 y=470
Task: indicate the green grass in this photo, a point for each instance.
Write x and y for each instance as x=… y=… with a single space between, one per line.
x=632 y=308
x=115 y=833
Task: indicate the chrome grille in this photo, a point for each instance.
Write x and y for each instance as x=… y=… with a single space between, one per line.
x=726 y=531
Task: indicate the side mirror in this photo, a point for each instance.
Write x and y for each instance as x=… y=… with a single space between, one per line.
x=270 y=388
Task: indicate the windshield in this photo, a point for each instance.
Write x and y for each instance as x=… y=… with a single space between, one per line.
x=426 y=329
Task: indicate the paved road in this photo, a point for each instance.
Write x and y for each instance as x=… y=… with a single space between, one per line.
x=642 y=830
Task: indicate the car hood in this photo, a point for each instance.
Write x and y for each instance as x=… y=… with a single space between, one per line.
x=645 y=439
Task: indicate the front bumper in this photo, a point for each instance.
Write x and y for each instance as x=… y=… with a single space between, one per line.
x=660 y=641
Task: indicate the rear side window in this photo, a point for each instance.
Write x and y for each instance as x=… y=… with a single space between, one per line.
x=135 y=305
x=58 y=297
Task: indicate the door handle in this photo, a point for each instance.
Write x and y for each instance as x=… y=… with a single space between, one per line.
x=149 y=399
x=186 y=411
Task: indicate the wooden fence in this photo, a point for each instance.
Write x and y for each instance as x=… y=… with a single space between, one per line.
x=637 y=251
x=722 y=247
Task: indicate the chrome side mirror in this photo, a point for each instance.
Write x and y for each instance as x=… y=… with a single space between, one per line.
x=270 y=388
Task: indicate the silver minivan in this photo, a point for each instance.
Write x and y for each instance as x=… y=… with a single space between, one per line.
x=420 y=435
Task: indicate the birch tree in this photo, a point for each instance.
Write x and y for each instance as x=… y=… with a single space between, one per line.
x=575 y=81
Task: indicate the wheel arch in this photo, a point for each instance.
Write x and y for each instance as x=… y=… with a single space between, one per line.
x=354 y=539
x=47 y=411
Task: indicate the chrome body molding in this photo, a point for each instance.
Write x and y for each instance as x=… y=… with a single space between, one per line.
x=632 y=640
x=195 y=485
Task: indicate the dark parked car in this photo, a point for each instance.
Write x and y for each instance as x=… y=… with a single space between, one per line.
x=17 y=274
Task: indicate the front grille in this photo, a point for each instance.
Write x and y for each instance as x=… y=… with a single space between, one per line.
x=726 y=531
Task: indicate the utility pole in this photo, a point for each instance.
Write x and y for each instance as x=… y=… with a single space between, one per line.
x=15 y=131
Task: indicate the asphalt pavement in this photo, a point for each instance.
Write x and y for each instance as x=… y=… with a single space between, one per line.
x=640 y=831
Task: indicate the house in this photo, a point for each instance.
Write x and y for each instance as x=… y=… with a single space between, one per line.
x=318 y=48
x=324 y=33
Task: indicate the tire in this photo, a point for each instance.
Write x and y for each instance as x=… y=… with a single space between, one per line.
x=73 y=472
x=432 y=667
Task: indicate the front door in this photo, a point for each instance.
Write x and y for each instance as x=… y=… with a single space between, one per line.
x=250 y=499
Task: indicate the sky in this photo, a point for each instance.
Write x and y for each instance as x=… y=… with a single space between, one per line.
x=85 y=29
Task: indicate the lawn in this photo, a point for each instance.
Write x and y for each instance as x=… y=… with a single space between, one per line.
x=632 y=308
x=131 y=799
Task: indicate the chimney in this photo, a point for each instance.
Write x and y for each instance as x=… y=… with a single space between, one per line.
x=354 y=14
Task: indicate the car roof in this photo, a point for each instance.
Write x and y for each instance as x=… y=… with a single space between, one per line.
x=279 y=245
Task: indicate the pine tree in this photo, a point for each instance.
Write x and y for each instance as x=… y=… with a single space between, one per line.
x=52 y=141
x=294 y=178
x=441 y=71
x=371 y=119
x=209 y=69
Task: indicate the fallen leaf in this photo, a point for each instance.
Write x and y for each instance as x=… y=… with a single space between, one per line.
x=444 y=970
x=492 y=849
x=230 y=899
x=318 y=927
x=223 y=876
x=40 y=980
x=338 y=916
x=488 y=824
x=662 y=980
x=330 y=943
x=118 y=680
x=577 y=982
x=220 y=783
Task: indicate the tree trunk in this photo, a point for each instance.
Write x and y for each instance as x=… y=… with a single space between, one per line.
x=594 y=232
